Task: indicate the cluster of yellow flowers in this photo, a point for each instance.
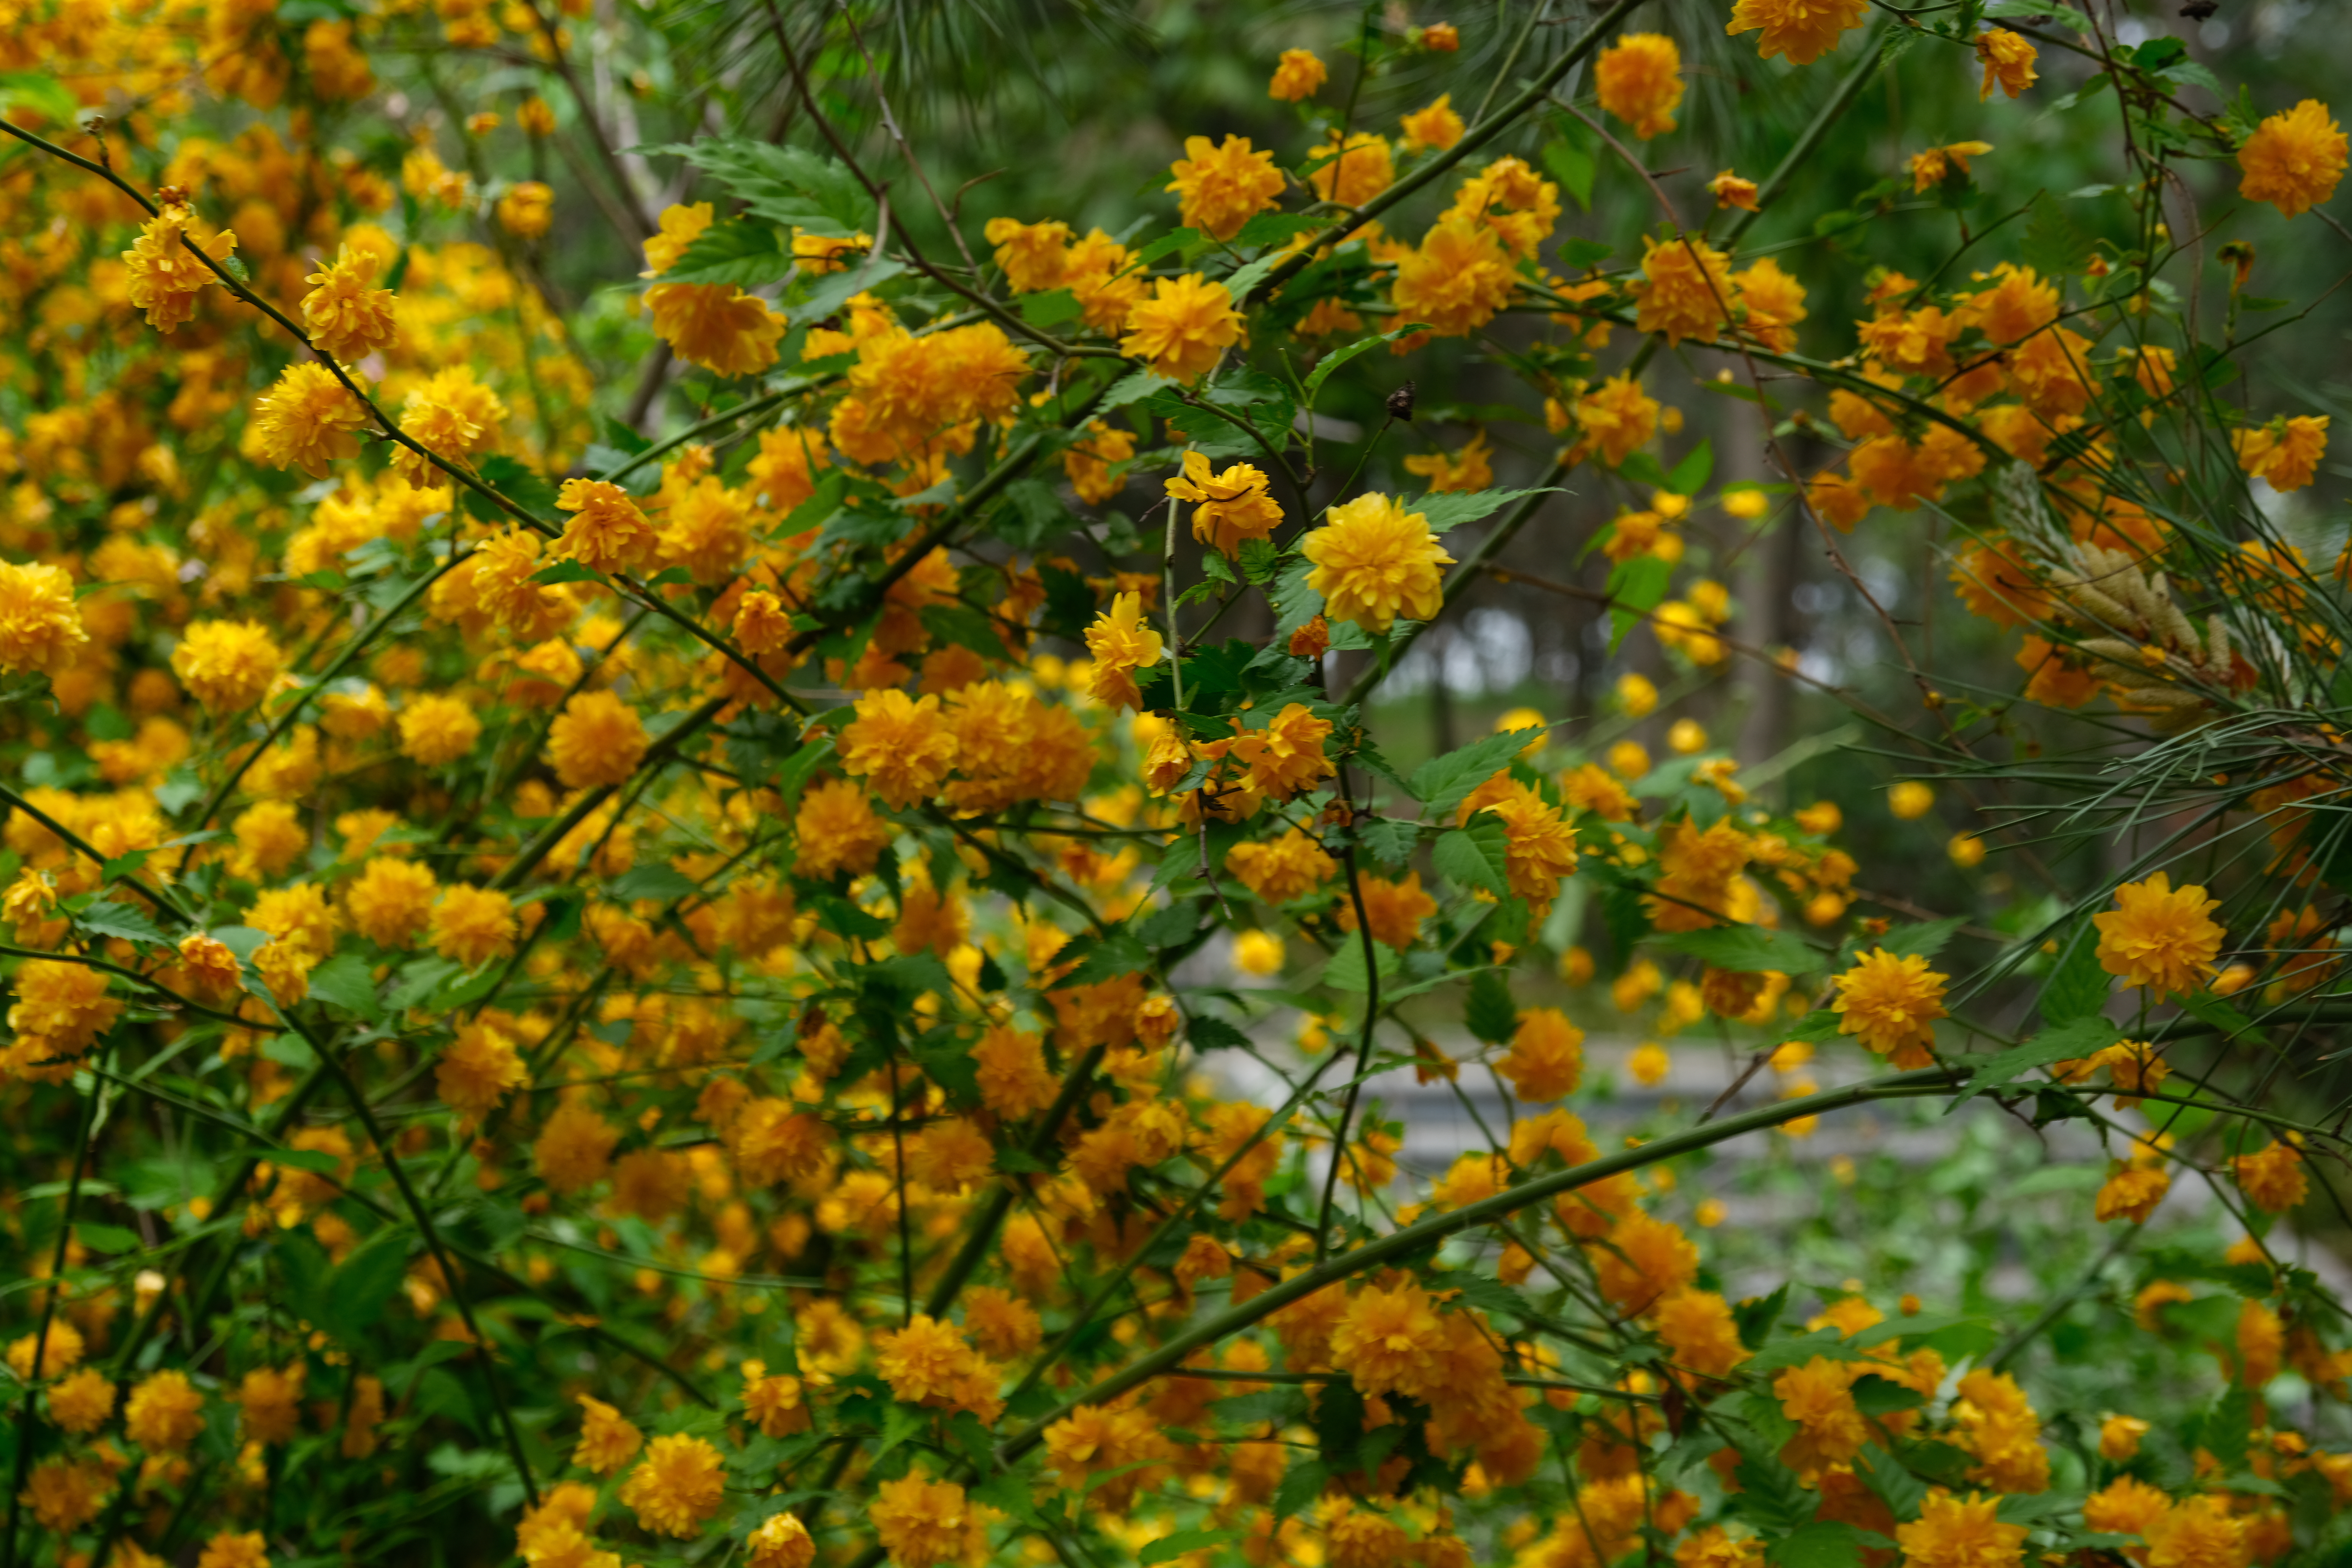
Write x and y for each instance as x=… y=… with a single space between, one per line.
x=738 y=900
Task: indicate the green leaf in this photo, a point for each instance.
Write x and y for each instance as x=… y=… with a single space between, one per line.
x=109 y=919
x=835 y=289
x=1338 y=357
x=1690 y=476
x=1049 y=309
x=1168 y=1548
x=101 y=1238
x=2054 y=244
x=566 y=571
x=348 y=981
x=1033 y=516
x=2208 y=1008
x=1822 y=1543
x=1922 y=941
x=318 y=1161
x=1756 y=1316
x=32 y=90
x=1452 y=508
x=651 y=881
x=1209 y=1033
x=1574 y=166
x=1440 y=783
x=2078 y=986
x=2066 y=1042
x=1473 y=857
x=1301 y=1485
x=1635 y=588
x=1747 y=950
x=788 y=185
x=306 y=1271
x=512 y=478
x=1345 y=971
x=744 y=253
x=364 y=1282
x=1294 y=604
x=1489 y=1012
x=1390 y=840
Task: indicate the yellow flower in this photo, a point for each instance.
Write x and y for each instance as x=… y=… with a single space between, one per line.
x=597 y=740
x=1640 y=80
x=1910 y=800
x=783 y=1542
x=1033 y=256
x=1546 y=1060
x=1258 y=953
x=715 y=325
x=164 y=1413
x=476 y=1070
x=1389 y=1341
x=1223 y=187
x=66 y=1494
x=677 y=1486
x=2007 y=62
x=1438 y=126
x=82 y=1401
x=1373 y=561
x=926 y=1523
x=527 y=209
x=348 y=318
x=607 y=1439
x=2286 y=452
x=1731 y=190
x=1183 y=328
x=901 y=747
x=235 y=1549
x=1235 y=505
x=60 y=1353
x=1699 y=1328
x=269 y=1403
x=307 y=420
x=2120 y=1438
x=1819 y=1397
x=1458 y=279
x=1890 y=1002
x=1539 y=845
x=2132 y=1193
x=452 y=416
x=1284 y=759
x=1966 y=850
x=836 y=830
x=574 y=1149
x=437 y=729
x=1804 y=30
x=40 y=624
x=1297 y=77
x=1686 y=289
x=1469 y=469
x=1953 y=1532
x=472 y=925
x=1932 y=167
x=1283 y=869
x=1619 y=417
x=390 y=901
x=2158 y=937
x=2293 y=160
x=1121 y=642
x=165 y=278
x=2272 y=1177
x=608 y=530
x=1354 y=172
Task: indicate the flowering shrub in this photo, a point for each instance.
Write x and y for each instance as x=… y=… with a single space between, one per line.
x=646 y=983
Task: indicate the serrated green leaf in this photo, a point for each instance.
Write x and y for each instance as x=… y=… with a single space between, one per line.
x=348 y=981
x=651 y=881
x=1747 y=950
x=1441 y=783
x=107 y=918
x=1487 y=1011
x=1636 y=587
x=745 y=254
x=1474 y=857
x=2067 y=1042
